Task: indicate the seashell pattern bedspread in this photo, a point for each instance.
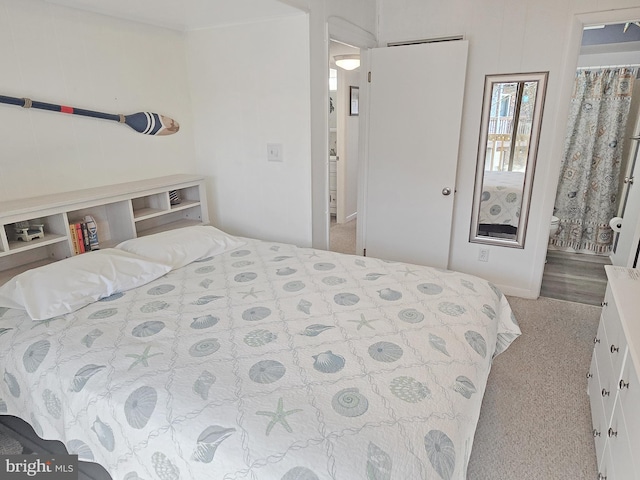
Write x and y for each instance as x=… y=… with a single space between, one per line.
x=501 y=198
x=266 y=362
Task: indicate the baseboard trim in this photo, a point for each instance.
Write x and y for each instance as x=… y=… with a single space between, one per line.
x=518 y=292
x=353 y=216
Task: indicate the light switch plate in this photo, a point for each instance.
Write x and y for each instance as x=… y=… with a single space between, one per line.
x=274 y=152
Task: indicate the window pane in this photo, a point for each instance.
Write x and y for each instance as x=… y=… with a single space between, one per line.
x=504 y=116
x=503 y=108
x=525 y=119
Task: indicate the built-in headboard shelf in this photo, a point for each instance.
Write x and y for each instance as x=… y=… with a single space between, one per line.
x=121 y=211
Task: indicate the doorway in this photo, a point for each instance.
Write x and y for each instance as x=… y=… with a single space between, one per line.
x=578 y=251
x=344 y=78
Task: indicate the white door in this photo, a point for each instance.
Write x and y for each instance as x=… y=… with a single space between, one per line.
x=627 y=240
x=415 y=112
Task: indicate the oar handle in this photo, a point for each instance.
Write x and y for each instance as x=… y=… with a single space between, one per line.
x=28 y=103
x=12 y=100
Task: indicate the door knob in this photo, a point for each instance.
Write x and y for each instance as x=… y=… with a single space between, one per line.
x=446 y=191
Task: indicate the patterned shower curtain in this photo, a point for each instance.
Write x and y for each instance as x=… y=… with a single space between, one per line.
x=587 y=195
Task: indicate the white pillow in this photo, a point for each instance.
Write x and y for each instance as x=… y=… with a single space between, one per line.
x=67 y=285
x=182 y=246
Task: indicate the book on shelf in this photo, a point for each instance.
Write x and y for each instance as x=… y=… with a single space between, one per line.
x=92 y=232
x=80 y=237
x=73 y=232
x=85 y=237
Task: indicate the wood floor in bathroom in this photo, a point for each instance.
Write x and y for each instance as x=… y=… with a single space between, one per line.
x=575 y=277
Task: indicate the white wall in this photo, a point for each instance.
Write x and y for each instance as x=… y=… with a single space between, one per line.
x=504 y=36
x=249 y=86
x=64 y=56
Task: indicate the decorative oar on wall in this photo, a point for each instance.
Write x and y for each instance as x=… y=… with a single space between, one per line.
x=142 y=122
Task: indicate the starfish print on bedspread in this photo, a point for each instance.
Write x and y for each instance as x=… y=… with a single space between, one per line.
x=407 y=271
x=142 y=358
x=279 y=416
x=251 y=293
x=363 y=322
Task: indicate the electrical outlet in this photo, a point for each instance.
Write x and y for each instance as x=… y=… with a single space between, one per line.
x=483 y=255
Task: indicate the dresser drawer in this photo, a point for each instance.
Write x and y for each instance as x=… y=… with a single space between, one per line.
x=619 y=445
x=607 y=377
x=599 y=421
x=616 y=343
x=606 y=467
x=629 y=399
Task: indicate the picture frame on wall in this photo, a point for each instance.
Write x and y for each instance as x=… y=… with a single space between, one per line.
x=354 y=101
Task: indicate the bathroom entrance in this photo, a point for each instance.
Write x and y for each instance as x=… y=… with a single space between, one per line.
x=599 y=154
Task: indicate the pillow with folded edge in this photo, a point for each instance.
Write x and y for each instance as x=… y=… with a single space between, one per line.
x=67 y=285
x=181 y=246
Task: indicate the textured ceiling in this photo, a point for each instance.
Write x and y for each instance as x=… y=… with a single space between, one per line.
x=187 y=15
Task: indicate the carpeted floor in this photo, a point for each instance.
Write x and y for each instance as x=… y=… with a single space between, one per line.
x=536 y=419
x=342 y=237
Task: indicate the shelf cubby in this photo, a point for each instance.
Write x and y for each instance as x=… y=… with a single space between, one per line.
x=55 y=230
x=113 y=221
x=150 y=205
x=183 y=217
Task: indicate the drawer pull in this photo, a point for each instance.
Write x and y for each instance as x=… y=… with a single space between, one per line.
x=596 y=340
x=612 y=433
x=614 y=349
x=623 y=385
x=596 y=433
x=589 y=375
x=605 y=393
x=604 y=304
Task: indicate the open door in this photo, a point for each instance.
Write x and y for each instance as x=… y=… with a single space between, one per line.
x=415 y=109
x=627 y=240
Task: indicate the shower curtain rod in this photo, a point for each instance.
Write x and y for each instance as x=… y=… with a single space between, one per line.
x=610 y=66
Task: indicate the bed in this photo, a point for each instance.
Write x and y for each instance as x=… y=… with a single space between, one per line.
x=501 y=201
x=257 y=360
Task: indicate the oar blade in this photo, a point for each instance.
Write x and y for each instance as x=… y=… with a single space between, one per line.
x=150 y=123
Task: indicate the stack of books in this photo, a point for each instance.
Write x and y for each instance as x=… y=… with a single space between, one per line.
x=84 y=235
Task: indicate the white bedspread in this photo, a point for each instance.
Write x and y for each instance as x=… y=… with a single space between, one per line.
x=501 y=198
x=267 y=362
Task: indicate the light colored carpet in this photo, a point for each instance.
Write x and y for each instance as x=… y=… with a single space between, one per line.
x=342 y=237
x=536 y=419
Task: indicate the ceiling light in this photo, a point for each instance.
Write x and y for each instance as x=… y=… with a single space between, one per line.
x=347 y=62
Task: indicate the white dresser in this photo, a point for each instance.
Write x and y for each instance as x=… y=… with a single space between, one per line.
x=614 y=385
